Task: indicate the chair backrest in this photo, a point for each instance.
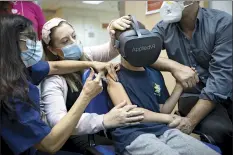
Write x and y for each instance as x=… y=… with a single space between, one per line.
x=99 y=104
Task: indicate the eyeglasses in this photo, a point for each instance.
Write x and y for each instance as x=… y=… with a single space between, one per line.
x=31 y=43
x=29 y=35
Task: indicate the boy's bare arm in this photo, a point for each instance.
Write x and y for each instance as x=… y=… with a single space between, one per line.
x=118 y=94
x=171 y=102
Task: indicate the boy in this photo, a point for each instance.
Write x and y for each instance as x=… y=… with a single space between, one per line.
x=145 y=87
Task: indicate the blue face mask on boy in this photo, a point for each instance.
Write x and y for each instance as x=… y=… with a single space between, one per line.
x=72 y=52
x=33 y=54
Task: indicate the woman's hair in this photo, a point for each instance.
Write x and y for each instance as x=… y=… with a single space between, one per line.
x=73 y=79
x=5 y=7
x=13 y=73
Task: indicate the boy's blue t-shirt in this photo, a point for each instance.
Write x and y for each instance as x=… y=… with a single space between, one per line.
x=145 y=89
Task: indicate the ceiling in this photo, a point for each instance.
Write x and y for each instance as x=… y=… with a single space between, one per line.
x=51 y=5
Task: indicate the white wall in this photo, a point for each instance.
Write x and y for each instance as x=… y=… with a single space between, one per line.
x=86 y=21
x=221 y=5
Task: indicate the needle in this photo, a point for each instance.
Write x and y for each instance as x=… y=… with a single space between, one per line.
x=102 y=76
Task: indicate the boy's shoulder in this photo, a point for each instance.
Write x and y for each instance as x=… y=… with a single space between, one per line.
x=151 y=75
x=154 y=73
x=153 y=70
x=149 y=72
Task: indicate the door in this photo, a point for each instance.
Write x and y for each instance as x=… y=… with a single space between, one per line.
x=78 y=24
x=91 y=31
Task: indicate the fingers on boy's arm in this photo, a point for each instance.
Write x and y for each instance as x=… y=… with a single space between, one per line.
x=110 y=79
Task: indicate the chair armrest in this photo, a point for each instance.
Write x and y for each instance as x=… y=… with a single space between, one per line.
x=91 y=140
x=205 y=138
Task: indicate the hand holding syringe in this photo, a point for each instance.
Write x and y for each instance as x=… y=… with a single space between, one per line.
x=102 y=76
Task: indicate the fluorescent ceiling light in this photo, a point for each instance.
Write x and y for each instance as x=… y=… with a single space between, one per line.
x=93 y=2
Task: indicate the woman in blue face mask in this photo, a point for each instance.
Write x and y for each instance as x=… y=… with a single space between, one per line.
x=22 y=130
x=59 y=93
x=99 y=54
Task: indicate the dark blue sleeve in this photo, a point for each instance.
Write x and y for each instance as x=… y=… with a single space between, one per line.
x=23 y=133
x=39 y=71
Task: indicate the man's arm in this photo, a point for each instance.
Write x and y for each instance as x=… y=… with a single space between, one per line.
x=117 y=94
x=200 y=111
x=219 y=83
x=183 y=74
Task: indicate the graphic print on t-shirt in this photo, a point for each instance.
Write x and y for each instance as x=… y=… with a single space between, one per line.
x=157 y=89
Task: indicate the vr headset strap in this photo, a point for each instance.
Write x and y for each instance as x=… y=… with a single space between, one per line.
x=117 y=44
x=136 y=26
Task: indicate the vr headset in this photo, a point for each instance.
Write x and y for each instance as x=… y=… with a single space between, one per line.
x=139 y=47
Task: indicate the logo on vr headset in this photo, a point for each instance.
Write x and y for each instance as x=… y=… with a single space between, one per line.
x=143 y=48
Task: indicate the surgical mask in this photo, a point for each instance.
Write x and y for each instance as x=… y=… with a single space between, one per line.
x=171 y=11
x=73 y=51
x=33 y=54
